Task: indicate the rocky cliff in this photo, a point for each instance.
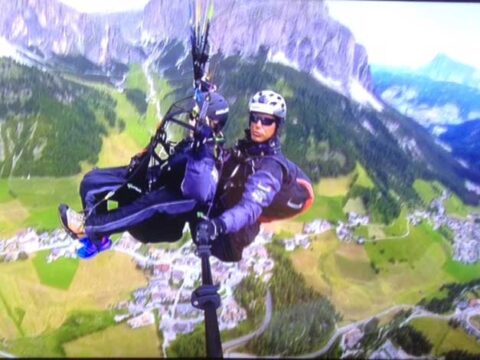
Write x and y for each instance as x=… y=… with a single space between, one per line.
x=299 y=33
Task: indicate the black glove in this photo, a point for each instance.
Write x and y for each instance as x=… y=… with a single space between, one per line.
x=208 y=230
x=201 y=146
x=203 y=133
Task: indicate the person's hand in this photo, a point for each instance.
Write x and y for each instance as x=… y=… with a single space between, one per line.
x=208 y=230
x=203 y=132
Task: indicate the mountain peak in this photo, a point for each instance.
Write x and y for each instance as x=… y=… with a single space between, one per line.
x=445 y=60
x=304 y=33
x=444 y=68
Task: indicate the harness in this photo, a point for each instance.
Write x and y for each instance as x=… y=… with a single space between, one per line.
x=296 y=192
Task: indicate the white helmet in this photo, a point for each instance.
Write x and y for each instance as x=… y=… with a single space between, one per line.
x=268 y=102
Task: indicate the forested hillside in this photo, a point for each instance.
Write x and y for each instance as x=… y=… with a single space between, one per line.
x=326 y=133
x=48 y=125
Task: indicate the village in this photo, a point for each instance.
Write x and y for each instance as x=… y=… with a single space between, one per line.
x=172 y=277
x=465 y=232
x=464 y=315
x=174 y=274
x=343 y=230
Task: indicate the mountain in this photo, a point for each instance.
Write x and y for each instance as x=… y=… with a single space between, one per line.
x=442 y=107
x=443 y=68
x=431 y=103
x=303 y=36
x=327 y=132
x=44 y=120
x=464 y=139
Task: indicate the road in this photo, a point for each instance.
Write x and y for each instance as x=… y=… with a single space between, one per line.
x=4 y=354
x=393 y=237
x=240 y=341
x=231 y=344
x=346 y=328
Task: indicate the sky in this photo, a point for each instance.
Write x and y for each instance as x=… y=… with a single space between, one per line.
x=395 y=33
x=410 y=34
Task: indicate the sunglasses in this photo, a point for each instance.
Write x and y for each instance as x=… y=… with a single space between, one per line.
x=267 y=121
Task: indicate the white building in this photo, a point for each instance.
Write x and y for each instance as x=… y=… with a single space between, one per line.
x=317 y=227
x=28 y=241
x=145 y=319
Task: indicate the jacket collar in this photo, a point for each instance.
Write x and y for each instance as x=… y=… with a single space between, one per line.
x=250 y=148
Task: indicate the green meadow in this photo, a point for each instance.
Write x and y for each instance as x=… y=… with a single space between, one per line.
x=399 y=226
x=51 y=343
x=444 y=338
x=325 y=207
x=364 y=280
x=427 y=190
x=118 y=341
x=58 y=274
x=33 y=202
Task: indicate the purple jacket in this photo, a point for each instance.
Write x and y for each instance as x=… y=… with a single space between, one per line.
x=258 y=193
x=201 y=175
x=250 y=179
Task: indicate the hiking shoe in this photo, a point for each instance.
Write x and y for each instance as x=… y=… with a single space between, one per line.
x=73 y=222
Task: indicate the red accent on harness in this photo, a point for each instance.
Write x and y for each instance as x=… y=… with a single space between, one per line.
x=307 y=205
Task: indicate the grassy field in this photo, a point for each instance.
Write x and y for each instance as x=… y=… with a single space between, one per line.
x=399 y=226
x=136 y=78
x=355 y=205
x=325 y=207
x=33 y=202
x=408 y=270
x=338 y=186
x=97 y=284
x=455 y=207
x=407 y=250
x=427 y=190
x=444 y=338
x=363 y=179
x=117 y=341
x=375 y=231
x=50 y=343
x=58 y=274
x=462 y=272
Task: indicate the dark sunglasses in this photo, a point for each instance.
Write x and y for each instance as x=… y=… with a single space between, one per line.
x=267 y=121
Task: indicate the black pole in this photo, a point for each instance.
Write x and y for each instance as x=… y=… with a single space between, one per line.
x=206 y=298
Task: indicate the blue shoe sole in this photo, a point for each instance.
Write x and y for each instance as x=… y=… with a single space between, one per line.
x=84 y=254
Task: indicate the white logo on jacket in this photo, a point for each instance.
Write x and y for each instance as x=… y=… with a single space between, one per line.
x=260 y=194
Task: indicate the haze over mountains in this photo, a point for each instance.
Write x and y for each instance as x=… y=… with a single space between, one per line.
x=443 y=96
x=336 y=121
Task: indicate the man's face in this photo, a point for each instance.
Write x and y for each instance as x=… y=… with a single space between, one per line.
x=262 y=127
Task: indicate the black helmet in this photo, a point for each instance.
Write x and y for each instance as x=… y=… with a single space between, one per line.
x=218 y=110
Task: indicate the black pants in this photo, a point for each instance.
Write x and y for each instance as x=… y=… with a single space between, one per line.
x=159 y=215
